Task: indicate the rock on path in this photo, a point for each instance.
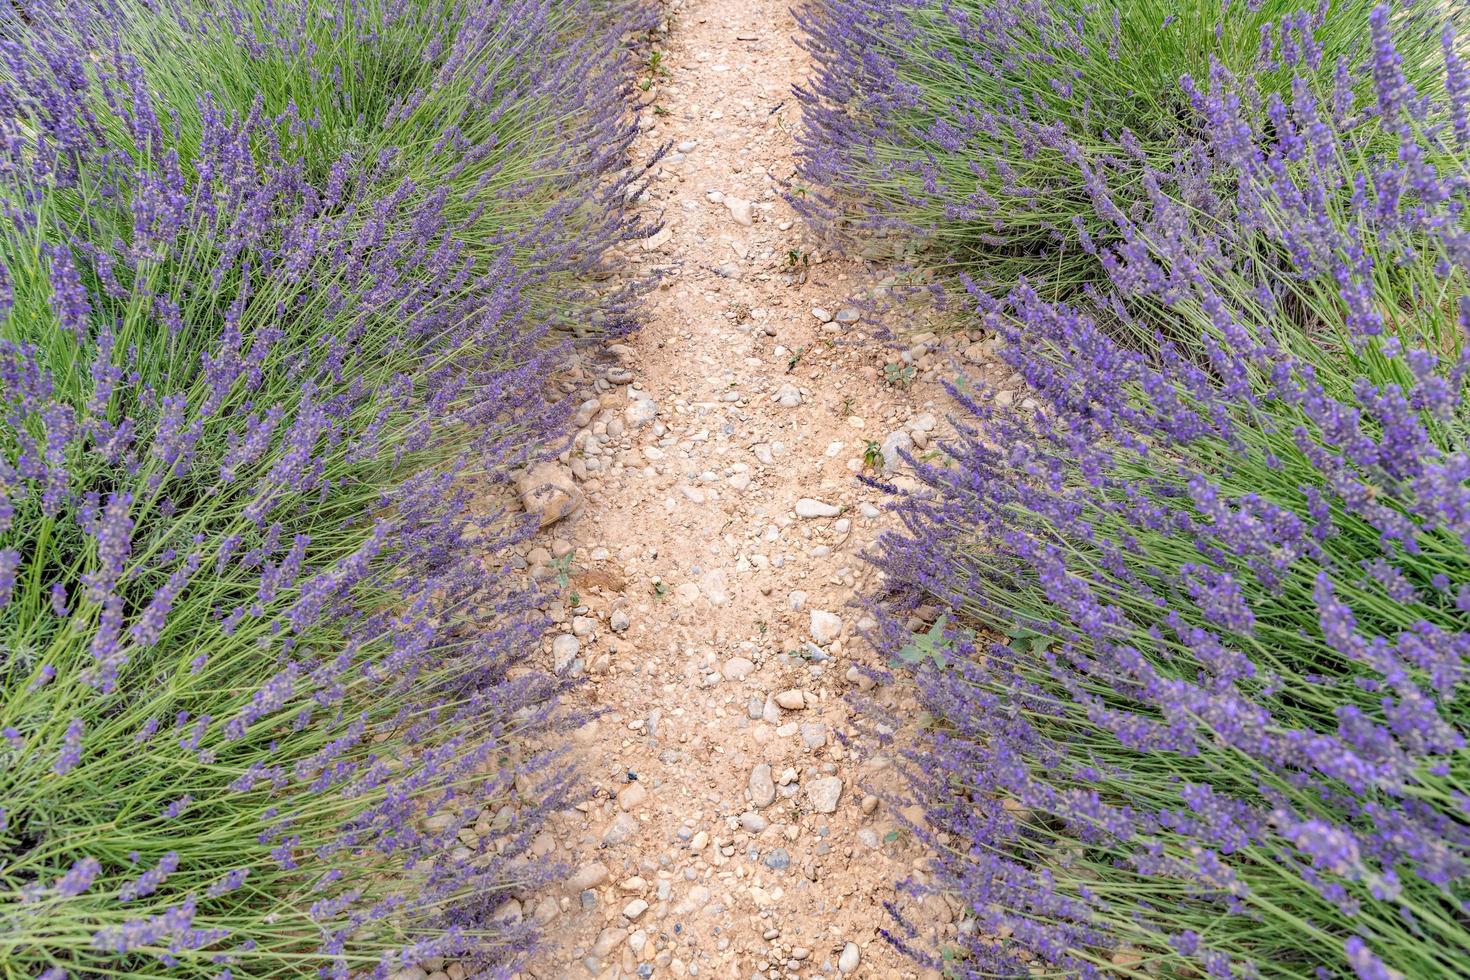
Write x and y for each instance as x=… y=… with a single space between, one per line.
x=703 y=535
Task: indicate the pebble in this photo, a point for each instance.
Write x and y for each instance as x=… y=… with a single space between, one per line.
x=739 y=210
x=763 y=787
x=847 y=316
x=634 y=909
x=777 y=860
x=824 y=793
x=792 y=700
x=849 y=959
x=814 y=735
x=549 y=492
x=789 y=396
x=737 y=669
x=610 y=939
x=589 y=875
x=822 y=315
x=826 y=626
x=632 y=796
x=622 y=827
x=808 y=508
x=564 y=650
x=893 y=444
x=640 y=412
x=752 y=822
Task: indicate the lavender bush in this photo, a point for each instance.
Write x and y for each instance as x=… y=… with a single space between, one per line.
x=987 y=129
x=280 y=287
x=1225 y=733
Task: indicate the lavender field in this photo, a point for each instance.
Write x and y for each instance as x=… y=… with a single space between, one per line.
x=281 y=285
x=1197 y=695
x=440 y=484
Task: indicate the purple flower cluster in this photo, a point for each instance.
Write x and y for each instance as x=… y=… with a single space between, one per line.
x=1007 y=136
x=284 y=285
x=1228 y=736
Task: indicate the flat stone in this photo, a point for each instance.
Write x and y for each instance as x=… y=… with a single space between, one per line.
x=752 y=822
x=893 y=444
x=634 y=909
x=809 y=508
x=792 y=700
x=589 y=875
x=658 y=240
x=640 y=412
x=608 y=940
x=824 y=792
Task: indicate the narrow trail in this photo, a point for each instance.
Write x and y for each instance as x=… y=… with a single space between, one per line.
x=727 y=831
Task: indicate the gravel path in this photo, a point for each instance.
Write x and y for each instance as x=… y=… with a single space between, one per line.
x=711 y=565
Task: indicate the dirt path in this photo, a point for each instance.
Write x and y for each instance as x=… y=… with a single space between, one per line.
x=729 y=832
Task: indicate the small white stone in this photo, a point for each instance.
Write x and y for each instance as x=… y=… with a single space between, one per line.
x=848 y=961
x=737 y=669
x=739 y=210
x=826 y=626
x=824 y=793
x=564 y=650
x=808 y=508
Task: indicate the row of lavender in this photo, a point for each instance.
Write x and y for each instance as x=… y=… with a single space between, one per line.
x=281 y=285
x=1227 y=559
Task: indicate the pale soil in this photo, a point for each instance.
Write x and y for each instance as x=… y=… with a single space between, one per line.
x=689 y=555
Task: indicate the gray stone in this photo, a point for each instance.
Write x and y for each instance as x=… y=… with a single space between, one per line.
x=619 y=829
x=778 y=860
x=763 y=787
x=894 y=443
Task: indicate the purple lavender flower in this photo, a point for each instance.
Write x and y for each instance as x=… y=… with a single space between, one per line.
x=71 y=748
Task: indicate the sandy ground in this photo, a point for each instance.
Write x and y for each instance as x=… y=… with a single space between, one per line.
x=708 y=578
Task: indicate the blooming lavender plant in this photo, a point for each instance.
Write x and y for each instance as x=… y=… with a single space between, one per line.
x=1226 y=735
x=985 y=129
x=280 y=289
